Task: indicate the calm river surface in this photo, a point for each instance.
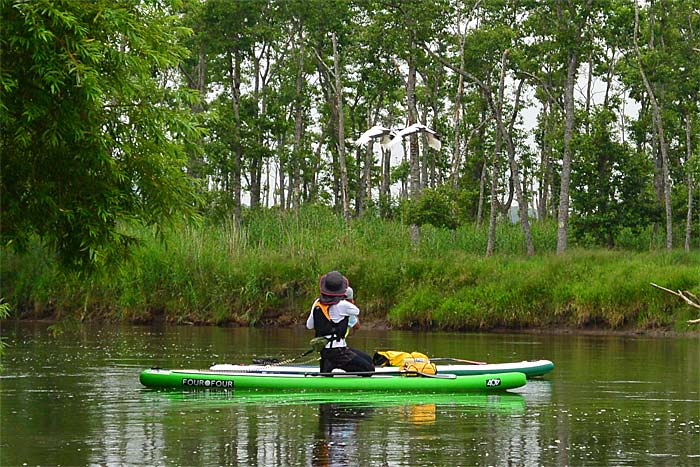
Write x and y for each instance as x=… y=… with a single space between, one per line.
x=75 y=399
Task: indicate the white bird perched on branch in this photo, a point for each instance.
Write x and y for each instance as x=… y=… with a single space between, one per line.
x=384 y=135
x=432 y=135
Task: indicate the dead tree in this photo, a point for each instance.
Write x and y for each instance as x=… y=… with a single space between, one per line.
x=688 y=297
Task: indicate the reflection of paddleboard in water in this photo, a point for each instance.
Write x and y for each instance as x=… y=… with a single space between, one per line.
x=537 y=392
x=503 y=402
x=336 y=441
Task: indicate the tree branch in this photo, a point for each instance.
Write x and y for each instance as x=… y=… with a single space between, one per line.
x=545 y=87
x=686 y=297
x=184 y=72
x=464 y=73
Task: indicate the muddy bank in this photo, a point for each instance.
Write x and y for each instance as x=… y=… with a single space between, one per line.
x=384 y=325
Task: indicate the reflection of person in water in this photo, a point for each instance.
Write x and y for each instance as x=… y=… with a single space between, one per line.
x=336 y=442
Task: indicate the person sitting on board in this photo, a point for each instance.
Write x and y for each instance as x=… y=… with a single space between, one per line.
x=329 y=318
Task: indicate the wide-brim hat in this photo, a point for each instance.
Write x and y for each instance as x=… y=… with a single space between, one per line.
x=333 y=284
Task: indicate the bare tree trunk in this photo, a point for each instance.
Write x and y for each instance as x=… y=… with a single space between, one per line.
x=491 y=243
x=385 y=193
x=266 y=188
x=563 y=215
x=507 y=203
x=514 y=170
x=589 y=94
x=313 y=189
x=235 y=76
x=658 y=180
x=386 y=174
x=256 y=159
x=367 y=176
x=480 y=208
x=688 y=154
x=281 y=171
x=622 y=121
x=304 y=169
x=467 y=141
x=414 y=159
x=458 y=114
x=341 y=131
x=609 y=81
x=424 y=153
x=325 y=75
x=363 y=174
x=265 y=162
x=431 y=151
x=658 y=123
x=405 y=180
x=277 y=190
x=544 y=164
x=500 y=134
x=295 y=182
x=261 y=83
x=360 y=190
x=484 y=164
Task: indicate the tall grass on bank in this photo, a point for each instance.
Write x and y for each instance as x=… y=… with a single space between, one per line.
x=267 y=272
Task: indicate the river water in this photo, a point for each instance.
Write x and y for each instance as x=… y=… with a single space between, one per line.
x=75 y=399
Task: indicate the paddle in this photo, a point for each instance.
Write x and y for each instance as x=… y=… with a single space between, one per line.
x=449 y=359
x=374 y=373
x=277 y=362
x=272 y=362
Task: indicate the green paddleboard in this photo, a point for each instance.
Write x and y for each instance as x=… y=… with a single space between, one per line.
x=207 y=379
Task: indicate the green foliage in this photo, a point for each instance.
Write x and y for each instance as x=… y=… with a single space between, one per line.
x=611 y=186
x=92 y=130
x=434 y=206
x=400 y=172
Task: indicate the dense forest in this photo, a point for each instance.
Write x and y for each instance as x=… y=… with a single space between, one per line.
x=582 y=111
x=579 y=115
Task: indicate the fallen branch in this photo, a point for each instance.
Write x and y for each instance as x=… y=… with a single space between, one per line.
x=688 y=297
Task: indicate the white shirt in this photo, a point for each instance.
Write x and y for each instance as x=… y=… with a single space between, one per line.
x=336 y=312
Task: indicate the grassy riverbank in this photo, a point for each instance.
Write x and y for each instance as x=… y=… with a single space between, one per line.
x=267 y=272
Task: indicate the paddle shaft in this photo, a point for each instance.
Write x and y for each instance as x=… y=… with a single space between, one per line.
x=449 y=359
x=374 y=373
x=278 y=362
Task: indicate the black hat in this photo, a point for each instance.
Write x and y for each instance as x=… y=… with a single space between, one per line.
x=333 y=284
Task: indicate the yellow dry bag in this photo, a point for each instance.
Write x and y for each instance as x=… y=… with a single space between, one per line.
x=407 y=361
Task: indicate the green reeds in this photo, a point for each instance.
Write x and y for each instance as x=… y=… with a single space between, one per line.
x=266 y=272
